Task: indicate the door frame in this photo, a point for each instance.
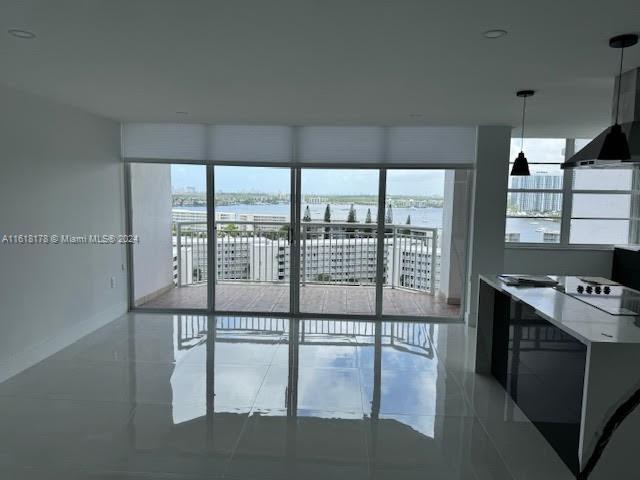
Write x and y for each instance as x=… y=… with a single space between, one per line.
x=382 y=184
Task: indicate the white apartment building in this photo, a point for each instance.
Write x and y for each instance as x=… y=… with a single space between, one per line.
x=551 y=237
x=416 y=267
x=512 y=237
x=260 y=218
x=539 y=202
x=184 y=268
x=180 y=215
x=315 y=199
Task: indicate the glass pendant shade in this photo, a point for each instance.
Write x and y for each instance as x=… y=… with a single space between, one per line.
x=520 y=166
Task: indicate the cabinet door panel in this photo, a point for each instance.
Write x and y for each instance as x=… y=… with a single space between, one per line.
x=542 y=368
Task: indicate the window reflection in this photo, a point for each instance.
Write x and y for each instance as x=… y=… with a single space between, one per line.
x=286 y=384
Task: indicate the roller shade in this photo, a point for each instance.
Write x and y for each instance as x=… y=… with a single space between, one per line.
x=165 y=141
x=250 y=144
x=341 y=144
x=431 y=145
x=371 y=145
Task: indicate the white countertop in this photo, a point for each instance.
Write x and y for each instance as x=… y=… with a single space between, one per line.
x=580 y=320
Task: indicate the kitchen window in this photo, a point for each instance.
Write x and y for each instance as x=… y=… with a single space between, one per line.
x=573 y=206
x=603 y=205
x=534 y=203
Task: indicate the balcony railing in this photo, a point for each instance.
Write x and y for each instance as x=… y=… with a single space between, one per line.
x=331 y=253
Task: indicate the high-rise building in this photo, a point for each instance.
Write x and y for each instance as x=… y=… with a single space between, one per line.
x=537 y=202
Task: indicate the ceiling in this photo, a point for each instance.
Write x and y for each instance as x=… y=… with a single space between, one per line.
x=335 y=62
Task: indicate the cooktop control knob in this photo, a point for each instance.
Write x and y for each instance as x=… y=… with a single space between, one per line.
x=580 y=289
x=589 y=289
x=607 y=290
x=598 y=290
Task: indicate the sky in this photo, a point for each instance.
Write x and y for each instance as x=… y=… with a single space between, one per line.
x=539 y=149
x=314 y=181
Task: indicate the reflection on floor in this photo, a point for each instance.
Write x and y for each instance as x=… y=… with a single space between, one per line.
x=189 y=397
x=338 y=299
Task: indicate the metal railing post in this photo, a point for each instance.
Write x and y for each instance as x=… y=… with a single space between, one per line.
x=434 y=246
x=303 y=277
x=215 y=252
x=394 y=264
x=259 y=254
x=179 y=250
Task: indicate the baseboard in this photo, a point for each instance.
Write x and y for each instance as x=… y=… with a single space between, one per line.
x=15 y=364
x=145 y=298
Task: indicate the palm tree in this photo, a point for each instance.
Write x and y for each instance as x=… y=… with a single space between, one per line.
x=307 y=215
x=388 y=219
x=408 y=222
x=327 y=219
x=351 y=217
x=327 y=214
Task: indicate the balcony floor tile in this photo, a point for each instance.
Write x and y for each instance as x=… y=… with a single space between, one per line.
x=336 y=299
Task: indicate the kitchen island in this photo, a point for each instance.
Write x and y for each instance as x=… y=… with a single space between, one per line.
x=569 y=365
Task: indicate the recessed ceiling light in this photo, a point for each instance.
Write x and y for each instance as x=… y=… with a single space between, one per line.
x=494 y=33
x=16 y=32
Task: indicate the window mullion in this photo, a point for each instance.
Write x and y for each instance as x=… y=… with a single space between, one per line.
x=634 y=214
x=567 y=194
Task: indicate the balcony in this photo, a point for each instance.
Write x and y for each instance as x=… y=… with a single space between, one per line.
x=337 y=268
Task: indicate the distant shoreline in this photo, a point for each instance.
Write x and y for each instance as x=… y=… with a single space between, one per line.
x=530 y=229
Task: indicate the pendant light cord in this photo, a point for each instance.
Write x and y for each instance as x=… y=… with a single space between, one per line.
x=619 y=83
x=524 y=107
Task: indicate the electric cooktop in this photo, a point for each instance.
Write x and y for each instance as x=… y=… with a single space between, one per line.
x=614 y=299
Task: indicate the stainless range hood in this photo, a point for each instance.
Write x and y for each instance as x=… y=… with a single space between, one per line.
x=590 y=156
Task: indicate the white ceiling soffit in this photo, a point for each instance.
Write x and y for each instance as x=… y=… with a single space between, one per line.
x=323 y=62
x=313 y=144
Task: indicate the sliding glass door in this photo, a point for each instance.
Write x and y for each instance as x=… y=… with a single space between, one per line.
x=253 y=241
x=360 y=248
x=425 y=242
x=338 y=244
x=169 y=222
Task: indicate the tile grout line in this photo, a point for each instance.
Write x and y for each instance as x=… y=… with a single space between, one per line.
x=251 y=409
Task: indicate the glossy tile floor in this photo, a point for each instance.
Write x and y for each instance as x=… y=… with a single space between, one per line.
x=154 y=396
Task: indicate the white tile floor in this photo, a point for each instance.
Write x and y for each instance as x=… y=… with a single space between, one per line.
x=154 y=396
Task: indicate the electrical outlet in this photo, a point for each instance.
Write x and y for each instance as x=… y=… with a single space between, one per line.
x=113 y=282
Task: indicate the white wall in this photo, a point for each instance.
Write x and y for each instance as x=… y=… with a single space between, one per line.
x=60 y=174
x=151 y=221
x=562 y=261
x=489 y=204
x=454 y=234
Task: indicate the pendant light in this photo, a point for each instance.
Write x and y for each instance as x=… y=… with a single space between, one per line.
x=520 y=165
x=615 y=145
